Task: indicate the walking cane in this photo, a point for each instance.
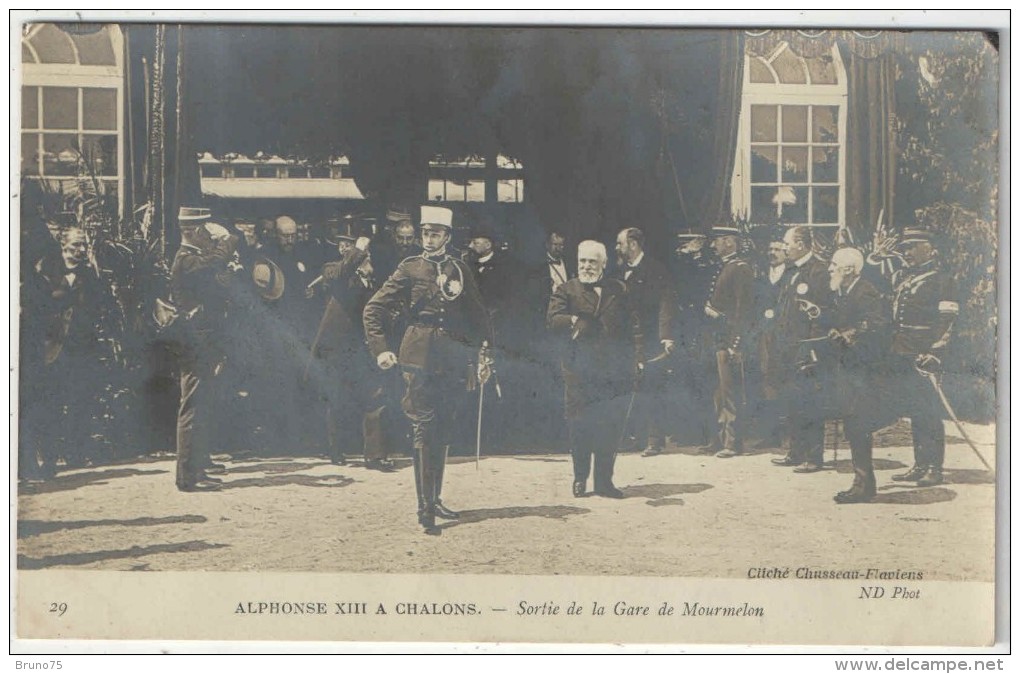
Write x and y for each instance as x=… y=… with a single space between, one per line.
x=933 y=378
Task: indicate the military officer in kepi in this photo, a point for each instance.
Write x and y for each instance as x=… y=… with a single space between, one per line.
x=730 y=306
x=924 y=310
x=447 y=330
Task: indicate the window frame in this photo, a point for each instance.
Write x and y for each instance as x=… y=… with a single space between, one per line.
x=779 y=94
x=78 y=77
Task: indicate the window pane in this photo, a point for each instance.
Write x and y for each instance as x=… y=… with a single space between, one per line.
x=790 y=68
x=30 y=154
x=475 y=190
x=795 y=123
x=265 y=172
x=825 y=205
x=511 y=191
x=437 y=191
x=95 y=49
x=822 y=70
x=26 y=54
x=101 y=154
x=53 y=45
x=763 y=123
x=760 y=73
x=795 y=164
x=60 y=108
x=763 y=163
x=320 y=172
x=793 y=204
x=763 y=206
x=212 y=170
x=60 y=154
x=826 y=164
x=454 y=191
x=30 y=107
x=244 y=171
x=99 y=109
x=825 y=124
x=297 y=172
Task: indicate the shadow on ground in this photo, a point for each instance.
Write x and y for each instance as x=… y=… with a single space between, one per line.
x=514 y=512
x=847 y=466
x=288 y=480
x=77 y=480
x=914 y=496
x=77 y=559
x=28 y=528
x=659 y=494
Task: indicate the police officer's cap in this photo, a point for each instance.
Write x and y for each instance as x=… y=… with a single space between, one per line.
x=689 y=235
x=912 y=235
x=724 y=230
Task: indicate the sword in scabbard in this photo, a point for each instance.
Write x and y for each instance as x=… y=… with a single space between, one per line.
x=933 y=378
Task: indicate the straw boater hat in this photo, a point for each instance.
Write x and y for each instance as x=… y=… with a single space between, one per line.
x=191 y=216
x=268 y=279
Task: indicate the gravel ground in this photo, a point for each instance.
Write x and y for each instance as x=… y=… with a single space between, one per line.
x=685 y=515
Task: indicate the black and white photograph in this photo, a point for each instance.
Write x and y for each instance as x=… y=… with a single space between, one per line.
x=483 y=332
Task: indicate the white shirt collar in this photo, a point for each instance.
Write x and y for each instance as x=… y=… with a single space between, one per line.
x=844 y=293
x=637 y=260
x=485 y=258
x=802 y=261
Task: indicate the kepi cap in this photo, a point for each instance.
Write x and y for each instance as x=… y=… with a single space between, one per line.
x=437 y=215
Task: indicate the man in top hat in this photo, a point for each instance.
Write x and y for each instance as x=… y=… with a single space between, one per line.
x=729 y=306
x=800 y=315
x=924 y=311
x=859 y=332
x=447 y=324
x=651 y=297
x=200 y=280
x=593 y=316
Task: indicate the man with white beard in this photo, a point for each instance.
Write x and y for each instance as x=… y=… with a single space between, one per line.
x=595 y=316
x=860 y=333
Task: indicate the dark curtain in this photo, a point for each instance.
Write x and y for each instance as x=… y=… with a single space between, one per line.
x=870 y=141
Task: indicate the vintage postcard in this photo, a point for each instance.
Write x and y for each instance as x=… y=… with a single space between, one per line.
x=542 y=334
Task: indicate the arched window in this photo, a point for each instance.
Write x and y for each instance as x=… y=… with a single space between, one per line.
x=790 y=158
x=72 y=99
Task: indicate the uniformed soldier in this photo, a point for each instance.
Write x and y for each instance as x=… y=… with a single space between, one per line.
x=730 y=306
x=695 y=273
x=447 y=323
x=924 y=310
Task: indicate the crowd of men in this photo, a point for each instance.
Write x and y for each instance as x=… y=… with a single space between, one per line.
x=381 y=340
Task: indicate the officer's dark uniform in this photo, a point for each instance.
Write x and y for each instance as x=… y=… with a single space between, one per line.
x=695 y=277
x=924 y=310
x=732 y=296
x=447 y=322
x=200 y=281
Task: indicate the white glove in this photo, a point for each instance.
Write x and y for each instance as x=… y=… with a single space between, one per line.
x=667 y=345
x=362 y=243
x=386 y=359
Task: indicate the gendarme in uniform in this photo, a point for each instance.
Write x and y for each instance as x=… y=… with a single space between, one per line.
x=446 y=324
x=924 y=310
